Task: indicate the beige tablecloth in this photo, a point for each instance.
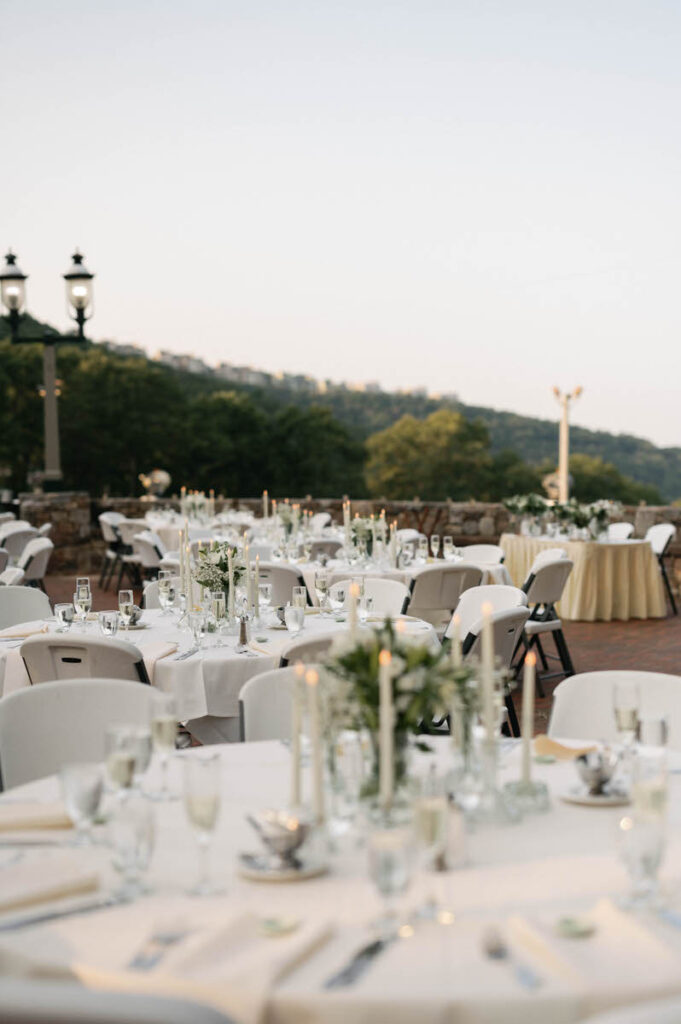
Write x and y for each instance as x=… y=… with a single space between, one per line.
x=609 y=581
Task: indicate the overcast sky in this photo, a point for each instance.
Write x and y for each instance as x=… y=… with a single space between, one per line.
x=479 y=196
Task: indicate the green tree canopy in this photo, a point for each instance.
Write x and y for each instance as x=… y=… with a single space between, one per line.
x=592 y=478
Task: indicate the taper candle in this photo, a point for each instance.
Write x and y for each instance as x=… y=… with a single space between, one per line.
x=312 y=680
x=528 y=714
x=386 y=729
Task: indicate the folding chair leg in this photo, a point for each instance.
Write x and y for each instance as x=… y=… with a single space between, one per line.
x=563 y=653
x=513 y=724
x=668 y=586
x=540 y=652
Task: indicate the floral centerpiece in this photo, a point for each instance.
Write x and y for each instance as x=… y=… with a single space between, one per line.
x=421 y=685
x=529 y=509
x=286 y=515
x=362 y=534
x=212 y=569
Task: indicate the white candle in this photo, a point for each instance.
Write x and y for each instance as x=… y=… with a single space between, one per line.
x=528 y=713
x=386 y=730
x=456 y=642
x=312 y=680
x=265 y=504
x=296 y=723
x=247 y=560
x=190 y=583
x=352 y=608
x=256 y=588
x=230 y=575
x=488 y=716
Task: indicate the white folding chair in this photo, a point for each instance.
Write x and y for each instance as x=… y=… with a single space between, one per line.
x=265 y=705
x=150 y=595
x=469 y=609
x=59 y=656
x=22 y=604
x=45 y=530
x=484 y=554
x=547 y=555
x=149 y=549
x=44 y=727
x=659 y=1011
x=61 y=1002
x=660 y=537
x=6 y=517
x=308 y=650
x=507 y=628
x=34 y=560
x=330 y=548
x=319 y=520
x=620 y=531
x=283 y=579
x=12 y=577
x=4 y=559
x=388 y=597
x=409 y=536
x=583 y=704
x=544 y=588
x=15 y=541
x=434 y=593
x=108 y=523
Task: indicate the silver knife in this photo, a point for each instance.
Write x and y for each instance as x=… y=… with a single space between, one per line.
x=359 y=963
x=187 y=654
x=101 y=903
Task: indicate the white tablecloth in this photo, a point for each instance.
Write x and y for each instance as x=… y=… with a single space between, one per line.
x=521 y=878
x=609 y=581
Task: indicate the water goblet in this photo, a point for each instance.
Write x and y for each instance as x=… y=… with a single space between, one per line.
x=431 y=819
x=448 y=548
x=337 y=596
x=435 y=544
x=64 y=614
x=202 y=804
x=423 y=549
x=265 y=597
x=120 y=756
x=197 y=625
x=131 y=835
x=166 y=591
x=391 y=858
x=364 y=608
x=82 y=784
x=643 y=831
x=294 y=617
x=126 y=604
x=321 y=583
x=163 y=733
x=108 y=623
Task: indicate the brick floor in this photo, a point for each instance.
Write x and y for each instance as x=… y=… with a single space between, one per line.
x=650 y=644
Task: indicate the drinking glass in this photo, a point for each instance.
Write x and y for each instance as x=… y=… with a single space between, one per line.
x=202 y=804
x=321 y=584
x=653 y=731
x=337 y=597
x=82 y=785
x=219 y=611
x=364 y=608
x=126 y=604
x=82 y=600
x=197 y=625
x=435 y=544
x=120 y=756
x=166 y=591
x=294 y=617
x=108 y=623
x=626 y=704
x=391 y=858
x=448 y=548
x=299 y=597
x=64 y=614
x=423 y=549
x=163 y=733
x=132 y=834
x=431 y=819
x=265 y=596
x=142 y=748
x=643 y=831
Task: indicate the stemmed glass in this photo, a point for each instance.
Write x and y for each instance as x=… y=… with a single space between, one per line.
x=626 y=704
x=294 y=617
x=321 y=583
x=299 y=598
x=202 y=804
x=337 y=595
x=219 y=609
x=163 y=733
x=126 y=604
x=643 y=831
x=82 y=786
x=265 y=593
x=431 y=815
x=166 y=591
x=197 y=625
x=423 y=549
x=131 y=834
x=82 y=599
x=435 y=544
x=120 y=757
x=448 y=548
x=391 y=858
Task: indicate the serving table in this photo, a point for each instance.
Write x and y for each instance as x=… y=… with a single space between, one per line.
x=609 y=580
x=520 y=878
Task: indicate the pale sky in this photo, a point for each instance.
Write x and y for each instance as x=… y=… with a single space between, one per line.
x=479 y=196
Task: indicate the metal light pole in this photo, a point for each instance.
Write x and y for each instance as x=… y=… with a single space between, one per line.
x=564 y=442
x=79 y=297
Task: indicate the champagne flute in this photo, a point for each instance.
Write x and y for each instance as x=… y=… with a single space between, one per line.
x=321 y=583
x=125 y=606
x=202 y=804
x=163 y=733
x=431 y=818
x=391 y=854
x=166 y=591
x=435 y=544
x=131 y=835
x=120 y=757
x=626 y=704
x=448 y=548
x=423 y=549
x=82 y=600
x=218 y=607
x=82 y=785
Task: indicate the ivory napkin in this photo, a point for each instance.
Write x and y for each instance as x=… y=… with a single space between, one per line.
x=622 y=961
x=22 y=632
x=233 y=968
x=153 y=653
x=260 y=650
x=544 y=746
x=24 y=816
x=47 y=878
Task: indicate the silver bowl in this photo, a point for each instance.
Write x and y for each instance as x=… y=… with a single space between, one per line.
x=596 y=769
x=282 y=833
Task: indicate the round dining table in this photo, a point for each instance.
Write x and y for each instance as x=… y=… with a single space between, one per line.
x=262 y=952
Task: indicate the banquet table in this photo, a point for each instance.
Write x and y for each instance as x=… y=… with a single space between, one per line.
x=205 y=686
x=520 y=878
x=609 y=580
x=339 y=570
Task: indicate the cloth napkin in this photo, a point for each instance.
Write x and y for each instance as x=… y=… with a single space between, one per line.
x=233 y=968
x=23 y=816
x=544 y=746
x=22 y=632
x=47 y=878
x=621 y=962
x=153 y=653
x=260 y=650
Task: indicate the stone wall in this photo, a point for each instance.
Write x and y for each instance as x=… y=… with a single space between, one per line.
x=79 y=545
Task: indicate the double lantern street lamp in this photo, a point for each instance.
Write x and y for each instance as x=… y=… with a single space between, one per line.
x=79 y=303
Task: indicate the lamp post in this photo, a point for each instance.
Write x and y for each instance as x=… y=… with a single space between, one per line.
x=564 y=398
x=79 y=299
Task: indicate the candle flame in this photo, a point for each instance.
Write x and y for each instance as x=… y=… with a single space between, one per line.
x=354 y=589
x=531 y=659
x=400 y=626
x=487 y=609
x=311 y=677
x=299 y=669
x=385 y=657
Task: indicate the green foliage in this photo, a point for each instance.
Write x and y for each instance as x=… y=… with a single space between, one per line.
x=593 y=479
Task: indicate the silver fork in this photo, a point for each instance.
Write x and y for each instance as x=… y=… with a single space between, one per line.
x=155 y=948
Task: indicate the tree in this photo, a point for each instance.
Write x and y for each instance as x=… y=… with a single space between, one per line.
x=592 y=478
x=312 y=453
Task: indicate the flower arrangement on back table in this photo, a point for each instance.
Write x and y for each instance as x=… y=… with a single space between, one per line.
x=212 y=569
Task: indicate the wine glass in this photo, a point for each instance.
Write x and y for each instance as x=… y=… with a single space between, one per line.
x=197 y=625
x=294 y=617
x=337 y=595
x=265 y=593
x=448 y=548
x=321 y=583
x=82 y=599
x=435 y=544
x=82 y=785
x=64 y=614
x=364 y=608
x=132 y=834
x=202 y=804
x=163 y=733
x=219 y=610
x=423 y=549
x=299 y=597
x=120 y=757
x=643 y=830
x=108 y=623
x=391 y=857
x=126 y=604
x=626 y=703
x=431 y=818
x=166 y=591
